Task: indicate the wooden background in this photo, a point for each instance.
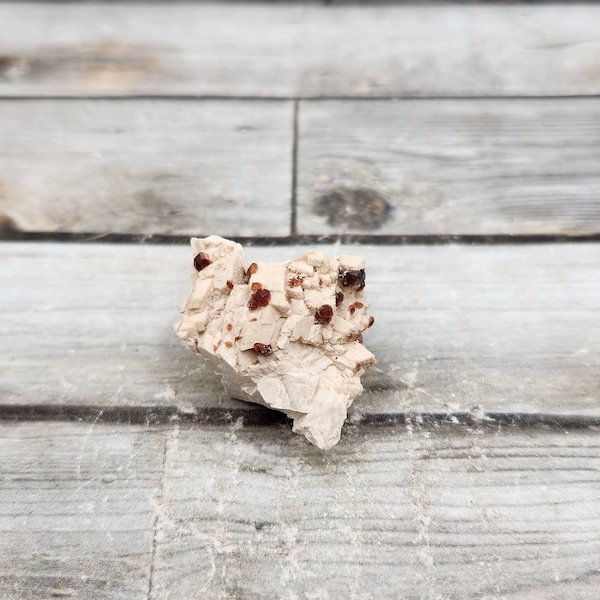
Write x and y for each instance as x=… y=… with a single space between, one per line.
x=455 y=145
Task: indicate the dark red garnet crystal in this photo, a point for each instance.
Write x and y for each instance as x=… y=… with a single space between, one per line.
x=354 y=278
x=261 y=297
x=264 y=349
x=201 y=261
x=324 y=314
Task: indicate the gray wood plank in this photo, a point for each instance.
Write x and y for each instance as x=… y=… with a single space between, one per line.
x=388 y=513
x=505 y=328
x=299 y=50
x=147 y=166
x=244 y=512
x=77 y=508
x=475 y=167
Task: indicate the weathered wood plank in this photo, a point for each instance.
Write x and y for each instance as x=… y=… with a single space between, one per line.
x=449 y=167
x=77 y=508
x=246 y=512
x=299 y=50
x=144 y=166
x=508 y=328
x=388 y=513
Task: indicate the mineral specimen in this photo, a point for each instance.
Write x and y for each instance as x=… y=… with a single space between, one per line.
x=287 y=336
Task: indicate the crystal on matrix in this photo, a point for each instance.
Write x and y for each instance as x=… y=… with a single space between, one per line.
x=287 y=336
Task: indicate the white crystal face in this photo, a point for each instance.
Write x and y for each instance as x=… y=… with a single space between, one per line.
x=287 y=336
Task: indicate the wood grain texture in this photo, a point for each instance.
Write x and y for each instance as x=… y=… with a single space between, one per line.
x=387 y=514
x=299 y=50
x=77 y=507
x=243 y=512
x=505 y=328
x=143 y=166
x=449 y=167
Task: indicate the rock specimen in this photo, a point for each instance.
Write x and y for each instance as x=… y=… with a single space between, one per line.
x=287 y=336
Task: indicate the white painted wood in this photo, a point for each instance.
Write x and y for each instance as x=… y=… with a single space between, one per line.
x=518 y=166
x=388 y=513
x=507 y=328
x=77 y=508
x=299 y=50
x=147 y=166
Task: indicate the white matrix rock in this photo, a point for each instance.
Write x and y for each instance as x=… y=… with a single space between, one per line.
x=286 y=336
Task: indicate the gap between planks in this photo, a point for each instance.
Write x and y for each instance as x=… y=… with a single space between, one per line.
x=294 y=191
x=13 y=235
x=293 y=98
x=159 y=501
x=251 y=415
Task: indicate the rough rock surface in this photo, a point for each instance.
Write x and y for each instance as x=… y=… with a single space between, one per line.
x=287 y=336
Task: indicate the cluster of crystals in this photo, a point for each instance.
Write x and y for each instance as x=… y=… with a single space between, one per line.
x=287 y=336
